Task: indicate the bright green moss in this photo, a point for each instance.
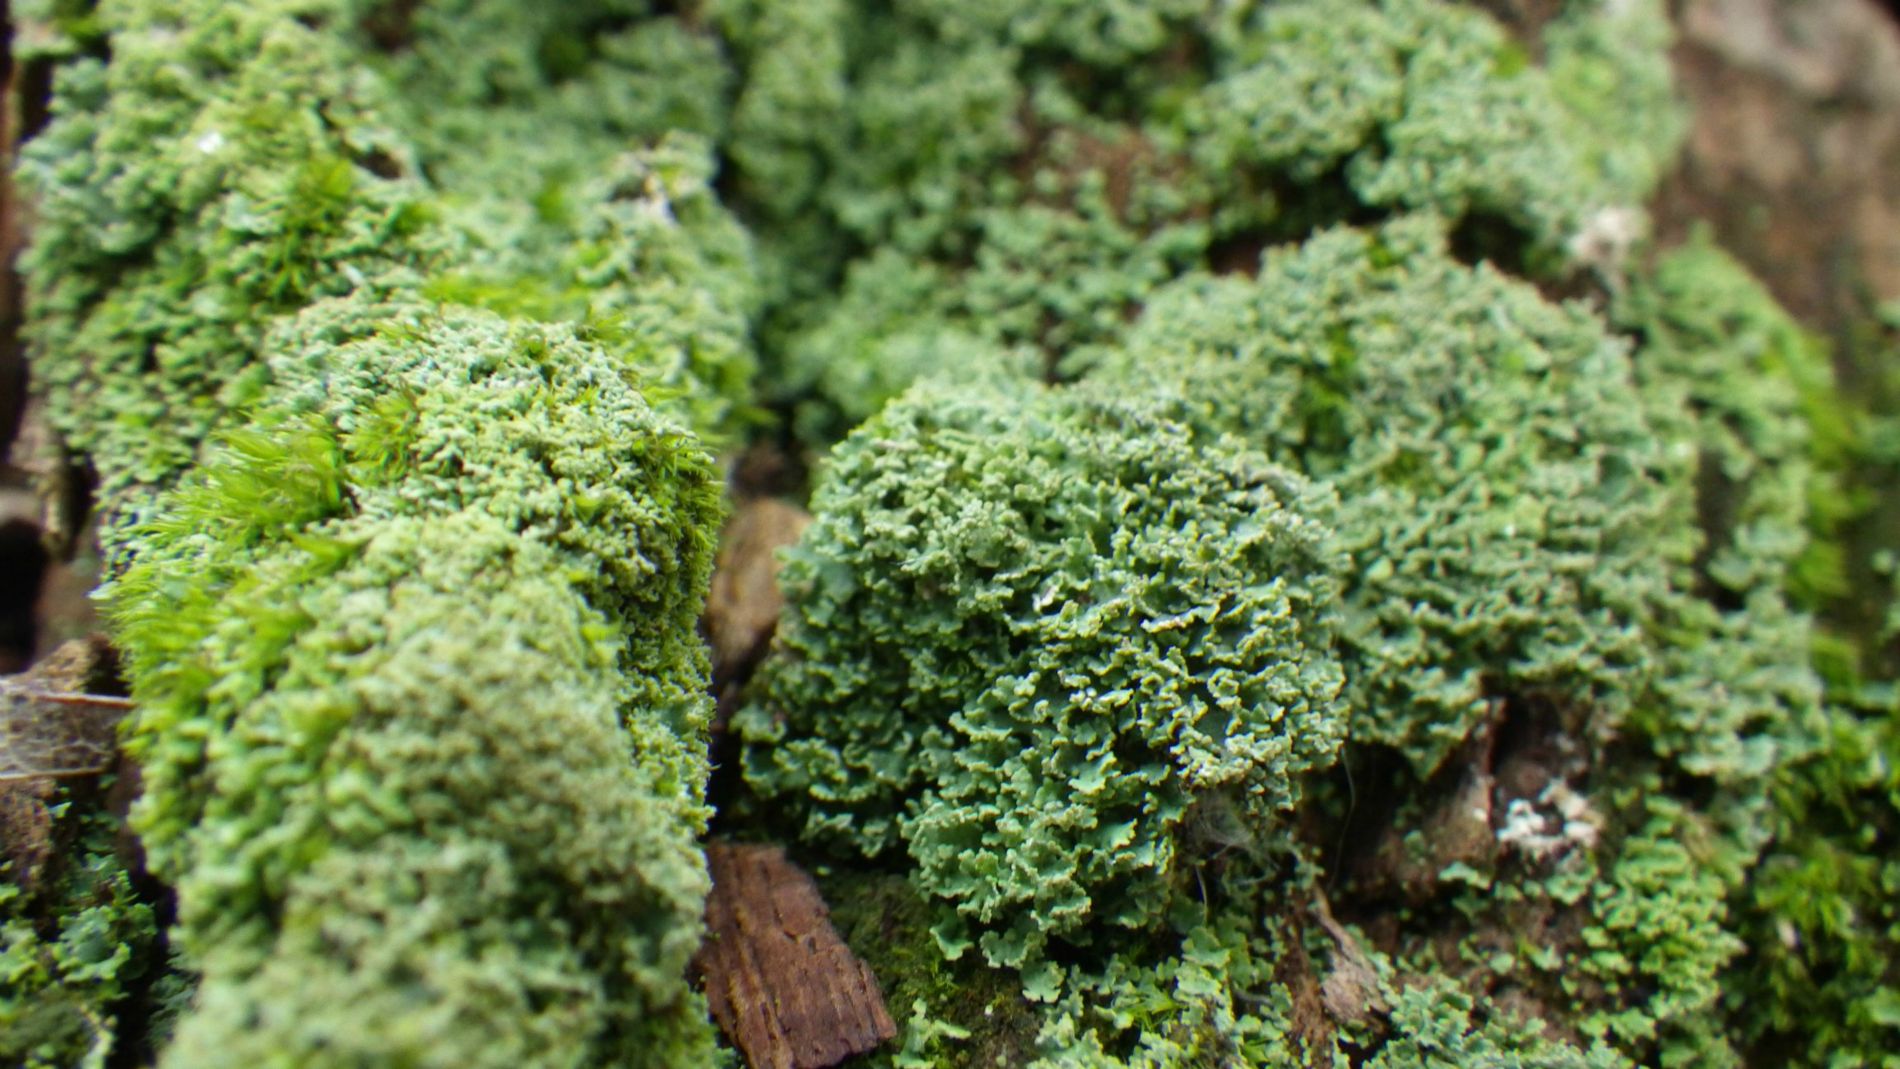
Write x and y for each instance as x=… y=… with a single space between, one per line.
x=422 y=703
x=1497 y=488
x=953 y=1014
x=1820 y=986
x=422 y=706
x=1029 y=633
x=204 y=179
x=653 y=266
x=231 y=163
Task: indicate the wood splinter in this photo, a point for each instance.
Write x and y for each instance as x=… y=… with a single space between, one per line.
x=781 y=983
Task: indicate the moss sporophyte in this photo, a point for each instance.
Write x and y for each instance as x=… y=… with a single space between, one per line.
x=1245 y=619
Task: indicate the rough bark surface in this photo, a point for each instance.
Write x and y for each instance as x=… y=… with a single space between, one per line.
x=1795 y=144
x=781 y=983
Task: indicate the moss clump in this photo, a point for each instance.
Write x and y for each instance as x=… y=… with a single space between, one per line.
x=229 y=164
x=206 y=177
x=1028 y=633
x=1820 y=985
x=421 y=704
x=953 y=1014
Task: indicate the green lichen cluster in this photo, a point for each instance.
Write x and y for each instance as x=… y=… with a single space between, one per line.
x=1037 y=635
x=1499 y=494
x=1577 y=555
x=946 y=183
x=77 y=942
x=1522 y=552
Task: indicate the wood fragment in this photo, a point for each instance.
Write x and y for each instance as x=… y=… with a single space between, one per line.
x=742 y=607
x=48 y=730
x=743 y=604
x=1351 y=990
x=781 y=983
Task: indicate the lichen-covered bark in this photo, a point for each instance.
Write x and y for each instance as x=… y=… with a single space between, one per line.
x=1364 y=657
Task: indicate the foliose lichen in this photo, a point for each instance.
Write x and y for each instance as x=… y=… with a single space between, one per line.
x=1030 y=632
x=1046 y=166
x=1498 y=493
x=1530 y=555
x=76 y=941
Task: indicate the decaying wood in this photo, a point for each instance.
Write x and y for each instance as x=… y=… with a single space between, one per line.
x=743 y=605
x=49 y=728
x=1351 y=990
x=780 y=982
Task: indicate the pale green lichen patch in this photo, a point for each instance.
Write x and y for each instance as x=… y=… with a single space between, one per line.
x=1028 y=632
x=1049 y=165
x=1496 y=486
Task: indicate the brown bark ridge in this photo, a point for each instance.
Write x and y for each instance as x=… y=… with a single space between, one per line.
x=781 y=983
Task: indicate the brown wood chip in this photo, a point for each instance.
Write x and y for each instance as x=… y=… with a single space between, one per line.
x=743 y=605
x=782 y=985
x=47 y=730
